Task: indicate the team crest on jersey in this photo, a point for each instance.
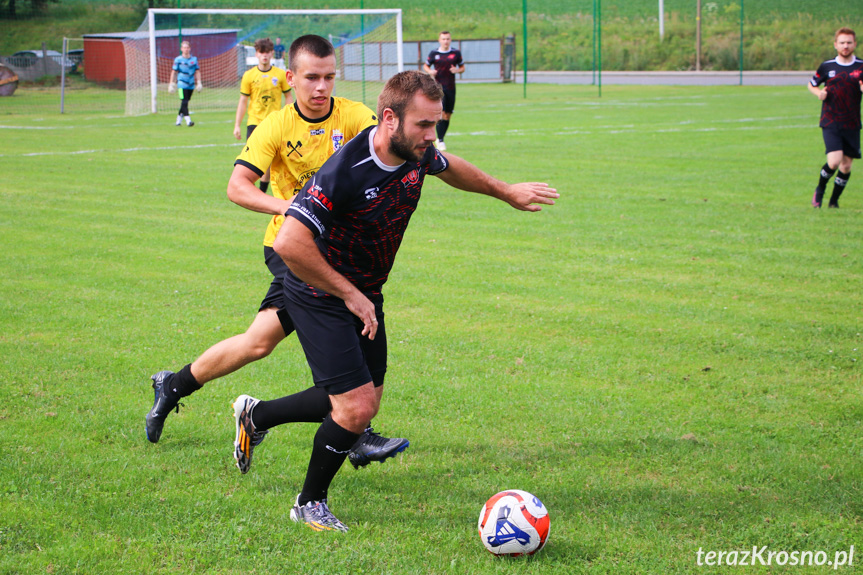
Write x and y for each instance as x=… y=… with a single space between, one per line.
x=831 y=74
x=372 y=193
x=412 y=178
x=338 y=140
x=275 y=81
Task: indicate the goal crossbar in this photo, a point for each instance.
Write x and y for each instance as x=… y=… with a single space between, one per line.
x=152 y=12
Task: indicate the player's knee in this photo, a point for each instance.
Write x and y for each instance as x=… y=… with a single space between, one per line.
x=355 y=415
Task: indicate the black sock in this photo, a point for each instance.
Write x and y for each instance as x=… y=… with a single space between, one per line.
x=839 y=187
x=331 y=446
x=184 y=383
x=264 y=186
x=825 y=175
x=441 y=129
x=310 y=405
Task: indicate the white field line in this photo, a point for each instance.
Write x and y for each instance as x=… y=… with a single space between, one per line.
x=731 y=125
x=745 y=124
x=125 y=150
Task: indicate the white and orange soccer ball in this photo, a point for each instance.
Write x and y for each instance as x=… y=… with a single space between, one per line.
x=513 y=523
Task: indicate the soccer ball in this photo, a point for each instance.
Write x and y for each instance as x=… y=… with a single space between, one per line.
x=513 y=523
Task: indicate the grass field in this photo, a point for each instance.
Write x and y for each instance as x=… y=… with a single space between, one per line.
x=668 y=357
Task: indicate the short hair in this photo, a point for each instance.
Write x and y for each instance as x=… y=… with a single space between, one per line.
x=844 y=30
x=401 y=89
x=263 y=45
x=311 y=43
x=445 y=32
x=186 y=42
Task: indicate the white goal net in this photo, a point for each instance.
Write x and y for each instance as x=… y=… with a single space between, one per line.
x=368 y=52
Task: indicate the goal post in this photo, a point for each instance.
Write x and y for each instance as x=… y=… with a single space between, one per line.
x=368 y=43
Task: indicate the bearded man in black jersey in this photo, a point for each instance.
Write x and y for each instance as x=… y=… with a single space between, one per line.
x=339 y=240
x=840 y=113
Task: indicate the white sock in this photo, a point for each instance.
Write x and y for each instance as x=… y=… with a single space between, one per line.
x=188 y=120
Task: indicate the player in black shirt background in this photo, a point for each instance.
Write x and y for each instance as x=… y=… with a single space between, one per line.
x=840 y=113
x=443 y=64
x=339 y=240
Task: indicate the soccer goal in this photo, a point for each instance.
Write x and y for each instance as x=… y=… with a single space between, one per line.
x=368 y=51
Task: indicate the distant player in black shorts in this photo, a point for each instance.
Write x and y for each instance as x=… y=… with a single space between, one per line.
x=443 y=64
x=339 y=240
x=840 y=113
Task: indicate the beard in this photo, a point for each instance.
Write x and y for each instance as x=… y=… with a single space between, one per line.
x=401 y=146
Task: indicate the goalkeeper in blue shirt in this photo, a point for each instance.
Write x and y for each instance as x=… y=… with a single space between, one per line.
x=186 y=75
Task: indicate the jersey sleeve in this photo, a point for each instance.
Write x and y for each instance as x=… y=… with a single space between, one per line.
x=326 y=195
x=460 y=61
x=820 y=76
x=437 y=163
x=262 y=147
x=246 y=85
x=430 y=59
x=195 y=65
x=176 y=66
x=362 y=118
x=313 y=205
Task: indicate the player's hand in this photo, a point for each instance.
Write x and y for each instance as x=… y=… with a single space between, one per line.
x=453 y=69
x=237 y=132
x=432 y=72
x=822 y=95
x=199 y=86
x=861 y=85
x=526 y=195
x=364 y=309
x=172 y=87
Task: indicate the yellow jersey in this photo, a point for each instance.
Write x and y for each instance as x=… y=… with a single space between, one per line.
x=264 y=90
x=294 y=147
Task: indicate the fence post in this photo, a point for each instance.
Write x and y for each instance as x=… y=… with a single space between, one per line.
x=698 y=37
x=44 y=60
x=63 y=74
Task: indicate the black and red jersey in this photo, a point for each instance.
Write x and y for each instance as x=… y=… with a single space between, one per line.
x=358 y=208
x=442 y=62
x=841 y=108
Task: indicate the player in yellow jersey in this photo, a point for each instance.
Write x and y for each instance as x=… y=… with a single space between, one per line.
x=261 y=92
x=293 y=143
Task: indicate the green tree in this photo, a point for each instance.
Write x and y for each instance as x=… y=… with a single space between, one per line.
x=12 y=9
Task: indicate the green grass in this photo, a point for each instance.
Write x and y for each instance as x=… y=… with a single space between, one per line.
x=668 y=358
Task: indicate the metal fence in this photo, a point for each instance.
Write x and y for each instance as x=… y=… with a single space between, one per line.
x=548 y=35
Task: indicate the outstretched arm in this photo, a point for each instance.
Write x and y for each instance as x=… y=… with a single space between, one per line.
x=296 y=244
x=463 y=175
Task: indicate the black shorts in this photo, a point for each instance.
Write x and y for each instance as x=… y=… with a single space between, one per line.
x=249 y=130
x=448 y=100
x=341 y=358
x=275 y=297
x=845 y=139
